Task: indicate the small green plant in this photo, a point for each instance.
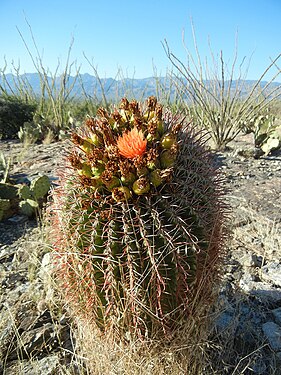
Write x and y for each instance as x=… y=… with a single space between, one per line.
x=23 y=199
x=267 y=133
x=266 y=128
x=138 y=220
x=29 y=133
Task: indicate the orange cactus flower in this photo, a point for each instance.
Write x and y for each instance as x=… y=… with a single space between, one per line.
x=132 y=144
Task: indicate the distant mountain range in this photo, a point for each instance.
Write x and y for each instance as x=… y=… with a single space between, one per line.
x=92 y=86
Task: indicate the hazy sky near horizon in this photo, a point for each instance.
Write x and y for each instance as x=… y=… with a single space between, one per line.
x=129 y=34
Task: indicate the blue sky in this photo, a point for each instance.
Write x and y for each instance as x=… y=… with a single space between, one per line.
x=128 y=34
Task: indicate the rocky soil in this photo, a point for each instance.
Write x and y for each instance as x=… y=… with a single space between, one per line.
x=36 y=338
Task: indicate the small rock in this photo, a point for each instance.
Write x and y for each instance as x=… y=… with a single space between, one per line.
x=13 y=279
x=6 y=336
x=272 y=273
x=42 y=305
x=36 y=339
x=251 y=260
x=47 y=366
x=43 y=319
x=272 y=332
x=7 y=254
x=16 y=292
x=263 y=291
x=277 y=315
x=246 y=281
x=63 y=320
x=46 y=268
x=27 y=320
x=247 y=260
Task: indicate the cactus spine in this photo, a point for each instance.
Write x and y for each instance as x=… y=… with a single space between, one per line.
x=138 y=219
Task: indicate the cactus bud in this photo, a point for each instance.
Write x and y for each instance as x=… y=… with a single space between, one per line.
x=168 y=140
x=128 y=179
x=121 y=193
x=155 y=164
x=142 y=172
x=148 y=115
x=155 y=177
x=85 y=170
x=160 y=126
x=153 y=137
x=125 y=115
x=141 y=186
x=167 y=159
x=95 y=182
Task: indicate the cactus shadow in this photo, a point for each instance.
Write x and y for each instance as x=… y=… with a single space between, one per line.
x=219 y=159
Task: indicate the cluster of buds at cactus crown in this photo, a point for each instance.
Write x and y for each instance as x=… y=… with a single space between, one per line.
x=128 y=152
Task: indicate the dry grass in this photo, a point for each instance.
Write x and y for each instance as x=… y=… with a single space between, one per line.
x=185 y=353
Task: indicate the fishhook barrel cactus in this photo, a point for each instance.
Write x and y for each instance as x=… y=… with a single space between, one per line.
x=138 y=219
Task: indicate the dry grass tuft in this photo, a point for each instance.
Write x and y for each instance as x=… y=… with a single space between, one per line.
x=185 y=353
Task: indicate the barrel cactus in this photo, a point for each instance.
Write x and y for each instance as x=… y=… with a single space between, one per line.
x=138 y=220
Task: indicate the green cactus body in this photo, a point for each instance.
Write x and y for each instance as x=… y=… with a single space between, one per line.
x=28 y=207
x=40 y=186
x=133 y=257
x=8 y=191
x=4 y=207
x=24 y=192
x=4 y=204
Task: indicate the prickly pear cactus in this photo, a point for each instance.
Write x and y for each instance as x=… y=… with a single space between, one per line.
x=40 y=186
x=8 y=191
x=29 y=196
x=24 y=192
x=4 y=206
x=28 y=207
x=137 y=219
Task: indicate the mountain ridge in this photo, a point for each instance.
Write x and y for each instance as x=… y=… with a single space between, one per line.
x=94 y=87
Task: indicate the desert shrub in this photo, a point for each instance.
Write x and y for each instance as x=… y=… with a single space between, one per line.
x=218 y=95
x=13 y=114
